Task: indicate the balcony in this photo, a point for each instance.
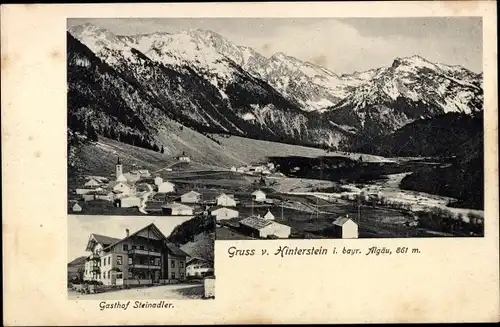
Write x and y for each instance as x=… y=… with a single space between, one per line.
x=96 y=269
x=144 y=252
x=139 y=266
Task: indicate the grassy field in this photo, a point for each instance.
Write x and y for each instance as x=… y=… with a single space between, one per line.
x=195 y=292
x=100 y=158
x=225 y=233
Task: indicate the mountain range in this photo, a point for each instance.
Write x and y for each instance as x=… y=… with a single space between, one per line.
x=146 y=88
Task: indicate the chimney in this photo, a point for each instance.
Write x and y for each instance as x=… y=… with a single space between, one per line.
x=127 y=232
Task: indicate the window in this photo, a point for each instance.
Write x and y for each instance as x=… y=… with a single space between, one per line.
x=103 y=262
x=109 y=274
x=182 y=275
x=109 y=260
x=172 y=263
x=158 y=262
x=119 y=260
x=125 y=247
x=134 y=247
x=142 y=247
x=129 y=261
x=173 y=275
x=181 y=263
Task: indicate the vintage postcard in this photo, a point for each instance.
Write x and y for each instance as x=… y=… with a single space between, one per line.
x=206 y=117
x=356 y=141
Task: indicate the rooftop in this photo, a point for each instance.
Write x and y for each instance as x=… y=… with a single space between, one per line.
x=176 y=250
x=114 y=183
x=255 y=222
x=224 y=194
x=341 y=221
x=192 y=192
x=177 y=205
x=105 y=239
x=221 y=207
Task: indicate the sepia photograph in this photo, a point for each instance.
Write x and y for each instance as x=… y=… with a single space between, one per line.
x=113 y=258
x=251 y=123
x=191 y=162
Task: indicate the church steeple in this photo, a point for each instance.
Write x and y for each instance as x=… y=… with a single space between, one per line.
x=118 y=169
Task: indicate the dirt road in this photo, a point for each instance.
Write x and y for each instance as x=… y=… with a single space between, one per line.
x=176 y=292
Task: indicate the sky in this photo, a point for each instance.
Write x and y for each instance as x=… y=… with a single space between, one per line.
x=341 y=45
x=80 y=227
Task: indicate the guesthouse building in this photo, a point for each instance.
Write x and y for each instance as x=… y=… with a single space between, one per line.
x=142 y=258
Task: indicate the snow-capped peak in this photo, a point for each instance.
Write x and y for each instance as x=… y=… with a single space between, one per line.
x=413 y=62
x=96 y=38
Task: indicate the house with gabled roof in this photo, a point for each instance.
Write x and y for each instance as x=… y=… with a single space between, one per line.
x=191 y=197
x=259 y=196
x=226 y=200
x=345 y=227
x=198 y=267
x=121 y=187
x=76 y=207
x=269 y=215
x=92 y=182
x=221 y=213
x=177 y=209
x=142 y=258
x=263 y=228
x=166 y=187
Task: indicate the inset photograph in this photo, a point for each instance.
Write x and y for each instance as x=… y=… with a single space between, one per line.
x=140 y=258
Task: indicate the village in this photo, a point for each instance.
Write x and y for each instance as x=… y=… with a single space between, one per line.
x=245 y=210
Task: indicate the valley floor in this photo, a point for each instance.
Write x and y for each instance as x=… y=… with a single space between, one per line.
x=296 y=202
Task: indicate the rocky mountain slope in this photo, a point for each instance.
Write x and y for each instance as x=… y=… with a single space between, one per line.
x=411 y=89
x=197 y=88
x=142 y=88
